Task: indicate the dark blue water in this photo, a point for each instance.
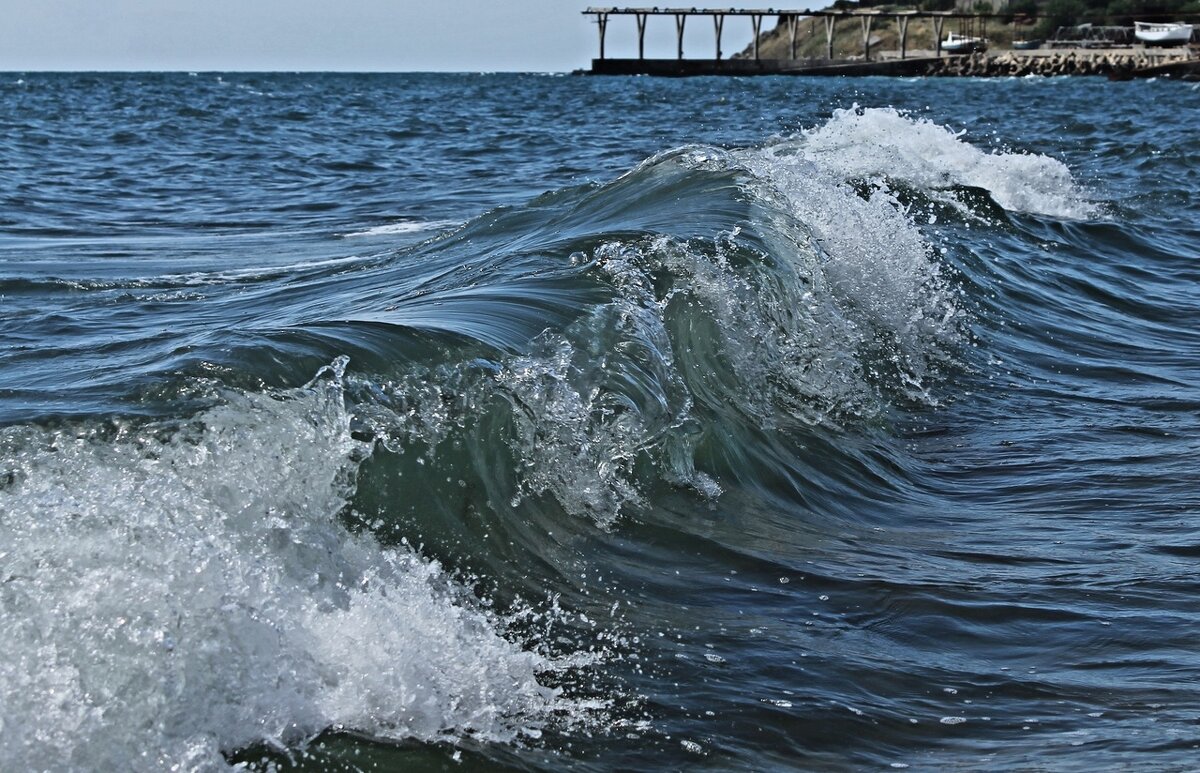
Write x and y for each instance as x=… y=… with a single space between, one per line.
x=543 y=423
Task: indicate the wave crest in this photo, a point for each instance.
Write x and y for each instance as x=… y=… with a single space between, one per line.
x=884 y=142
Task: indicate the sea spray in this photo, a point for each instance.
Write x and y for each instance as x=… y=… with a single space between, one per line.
x=888 y=143
x=176 y=590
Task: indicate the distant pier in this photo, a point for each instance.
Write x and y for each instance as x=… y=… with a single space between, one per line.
x=903 y=61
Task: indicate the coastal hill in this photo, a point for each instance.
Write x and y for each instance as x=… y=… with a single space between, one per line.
x=1021 y=19
x=885 y=36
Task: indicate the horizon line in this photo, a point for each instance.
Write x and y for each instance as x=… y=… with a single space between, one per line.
x=86 y=71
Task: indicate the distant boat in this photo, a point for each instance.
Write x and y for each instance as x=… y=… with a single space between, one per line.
x=963 y=44
x=1026 y=45
x=1175 y=33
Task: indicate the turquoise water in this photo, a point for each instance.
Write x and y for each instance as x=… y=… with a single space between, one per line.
x=542 y=423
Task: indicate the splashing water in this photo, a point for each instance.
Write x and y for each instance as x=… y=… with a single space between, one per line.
x=884 y=142
x=172 y=592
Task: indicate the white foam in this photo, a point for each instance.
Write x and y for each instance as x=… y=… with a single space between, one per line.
x=196 y=278
x=884 y=142
x=404 y=227
x=170 y=592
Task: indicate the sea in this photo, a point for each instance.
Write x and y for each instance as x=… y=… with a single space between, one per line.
x=503 y=422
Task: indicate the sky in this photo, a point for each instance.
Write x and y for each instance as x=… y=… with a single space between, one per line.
x=345 y=35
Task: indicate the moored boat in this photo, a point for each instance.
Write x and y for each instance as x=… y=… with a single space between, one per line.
x=1027 y=45
x=1174 y=33
x=963 y=44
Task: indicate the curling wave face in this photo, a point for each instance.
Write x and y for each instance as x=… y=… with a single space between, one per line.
x=703 y=294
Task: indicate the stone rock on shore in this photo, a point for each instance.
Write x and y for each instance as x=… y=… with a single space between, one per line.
x=1015 y=64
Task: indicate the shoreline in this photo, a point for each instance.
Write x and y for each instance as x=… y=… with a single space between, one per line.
x=1115 y=64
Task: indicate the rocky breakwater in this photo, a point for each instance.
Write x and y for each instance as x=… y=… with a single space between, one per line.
x=1114 y=64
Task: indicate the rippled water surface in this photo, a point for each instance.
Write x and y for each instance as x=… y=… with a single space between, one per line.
x=553 y=423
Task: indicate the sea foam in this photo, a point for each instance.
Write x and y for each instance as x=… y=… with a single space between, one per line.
x=404 y=227
x=884 y=142
x=172 y=592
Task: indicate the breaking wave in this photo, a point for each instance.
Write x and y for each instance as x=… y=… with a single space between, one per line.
x=243 y=573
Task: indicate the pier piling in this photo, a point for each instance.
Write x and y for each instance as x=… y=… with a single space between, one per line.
x=601 y=25
x=867 y=21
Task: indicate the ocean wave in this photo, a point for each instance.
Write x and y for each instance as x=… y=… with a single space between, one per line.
x=703 y=295
x=707 y=320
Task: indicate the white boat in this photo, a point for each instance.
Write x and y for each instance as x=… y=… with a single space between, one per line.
x=963 y=44
x=1174 y=33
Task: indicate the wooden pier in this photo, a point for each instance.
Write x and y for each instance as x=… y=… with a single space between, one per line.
x=754 y=65
x=929 y=61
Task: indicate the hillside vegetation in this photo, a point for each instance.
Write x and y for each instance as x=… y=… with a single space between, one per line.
x=1019 y=19
x=885 y=36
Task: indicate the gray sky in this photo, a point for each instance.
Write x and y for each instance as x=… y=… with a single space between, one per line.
x=367 y=35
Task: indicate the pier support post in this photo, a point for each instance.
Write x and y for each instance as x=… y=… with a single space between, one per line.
x=938 y=21
x=902 y=22
x=680 y=20
x=756 y=21
x=602 y=24
x=793 y=20
x=641 y=22
x=718 y=25
x=866 y=31
x=829 y=22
